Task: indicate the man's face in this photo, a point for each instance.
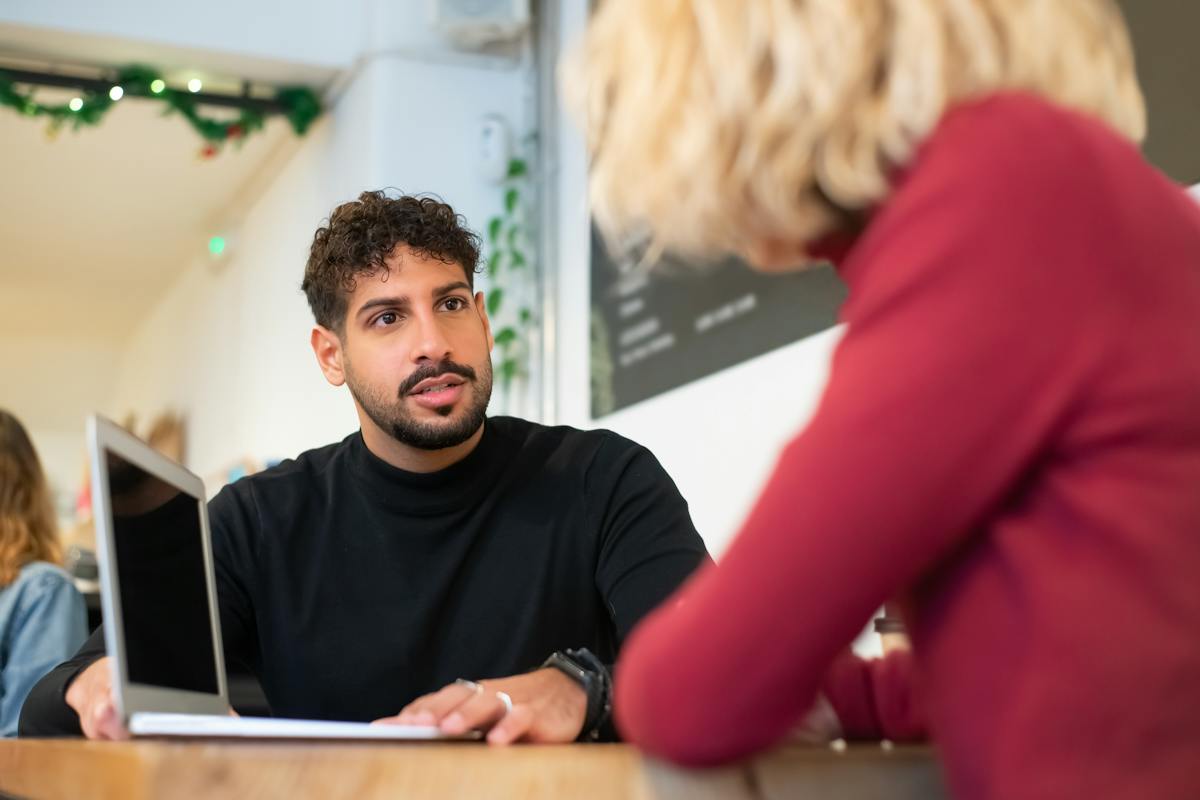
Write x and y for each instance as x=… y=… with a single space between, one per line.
x=416 y=351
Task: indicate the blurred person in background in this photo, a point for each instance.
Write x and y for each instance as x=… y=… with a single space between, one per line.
x=1009 y=441
x=42 y=617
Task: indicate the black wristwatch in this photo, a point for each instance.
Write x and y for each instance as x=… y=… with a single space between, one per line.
x=590 y=673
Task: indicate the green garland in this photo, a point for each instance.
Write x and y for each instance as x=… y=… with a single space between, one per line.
x=301 y=107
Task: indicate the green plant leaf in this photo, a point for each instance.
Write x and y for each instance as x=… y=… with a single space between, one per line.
x=517 y=167
x=517 y=258
x=525 y=316
x=511 y=196
x=505 y=337
x=493 y=263
x=494 y=299
x=508 y=370
x=494 y=225
x=511 y=236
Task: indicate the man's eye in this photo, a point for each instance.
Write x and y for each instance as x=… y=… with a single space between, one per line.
x=387 y=318
x=455 y=304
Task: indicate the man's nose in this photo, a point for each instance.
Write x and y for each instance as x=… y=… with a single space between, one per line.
x=432 y=342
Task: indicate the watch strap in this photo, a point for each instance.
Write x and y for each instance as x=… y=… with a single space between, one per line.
x=593 y=677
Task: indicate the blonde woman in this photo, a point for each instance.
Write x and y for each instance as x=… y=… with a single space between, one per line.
x=42 y=617
x=1010 y=439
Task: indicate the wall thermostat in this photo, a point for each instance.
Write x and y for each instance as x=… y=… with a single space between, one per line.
x=495 y=147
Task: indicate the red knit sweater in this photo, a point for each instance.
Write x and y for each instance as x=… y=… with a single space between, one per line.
x=1010 y=443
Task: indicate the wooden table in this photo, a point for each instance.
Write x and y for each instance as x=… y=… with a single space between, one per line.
x=158 y=769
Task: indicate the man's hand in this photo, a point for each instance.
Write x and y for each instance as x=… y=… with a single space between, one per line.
x=90 y=694
x=547 y=707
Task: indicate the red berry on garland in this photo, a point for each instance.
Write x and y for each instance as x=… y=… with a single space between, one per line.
x=235 y=131
x=208 y=151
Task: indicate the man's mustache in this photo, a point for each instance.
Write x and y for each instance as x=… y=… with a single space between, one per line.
x=426 y=372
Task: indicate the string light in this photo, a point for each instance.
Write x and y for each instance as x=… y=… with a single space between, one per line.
x=216 y=245
x=90 y=107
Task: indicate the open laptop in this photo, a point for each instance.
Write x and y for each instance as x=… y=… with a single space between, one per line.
x=158 y=593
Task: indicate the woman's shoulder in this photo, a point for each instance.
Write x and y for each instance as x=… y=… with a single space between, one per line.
x=38 y=577
x=1038 y=149
x=40 y=587
x=1014 y=173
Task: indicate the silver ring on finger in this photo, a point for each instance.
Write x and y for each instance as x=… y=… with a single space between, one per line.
x=472 y=685
x=504 y=698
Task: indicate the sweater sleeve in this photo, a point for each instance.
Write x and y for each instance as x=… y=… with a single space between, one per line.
x=46 y=713
x=648 y=543
x=956 y=370
x=233 y=518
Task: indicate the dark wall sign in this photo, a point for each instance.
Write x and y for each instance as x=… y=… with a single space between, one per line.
x=652 y=331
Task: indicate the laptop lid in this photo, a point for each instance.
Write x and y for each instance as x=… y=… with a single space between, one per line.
x=157 y=588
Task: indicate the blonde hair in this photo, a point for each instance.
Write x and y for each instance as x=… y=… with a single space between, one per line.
x=28 y=531
x=713 y=124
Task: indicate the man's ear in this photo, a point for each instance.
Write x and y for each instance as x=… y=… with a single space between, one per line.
x=487 y=326
x=327 y=347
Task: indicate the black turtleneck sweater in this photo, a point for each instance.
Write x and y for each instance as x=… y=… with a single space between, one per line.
x=350 y=587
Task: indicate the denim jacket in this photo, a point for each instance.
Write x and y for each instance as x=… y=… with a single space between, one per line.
x=43 y=621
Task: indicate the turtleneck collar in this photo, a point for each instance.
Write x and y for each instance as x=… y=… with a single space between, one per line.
x=427 y=493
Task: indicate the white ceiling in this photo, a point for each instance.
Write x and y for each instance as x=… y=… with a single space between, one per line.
x=96 y=224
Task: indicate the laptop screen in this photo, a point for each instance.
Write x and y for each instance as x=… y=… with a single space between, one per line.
x=159 y=551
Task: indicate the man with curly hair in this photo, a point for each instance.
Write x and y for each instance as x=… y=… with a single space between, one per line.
x=437 y=566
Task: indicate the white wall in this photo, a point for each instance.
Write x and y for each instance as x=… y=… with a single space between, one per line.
x=228 y=346
x=717 y=446
x=51 y=385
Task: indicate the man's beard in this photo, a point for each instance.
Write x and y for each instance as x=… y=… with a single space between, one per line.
x=393 y=417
